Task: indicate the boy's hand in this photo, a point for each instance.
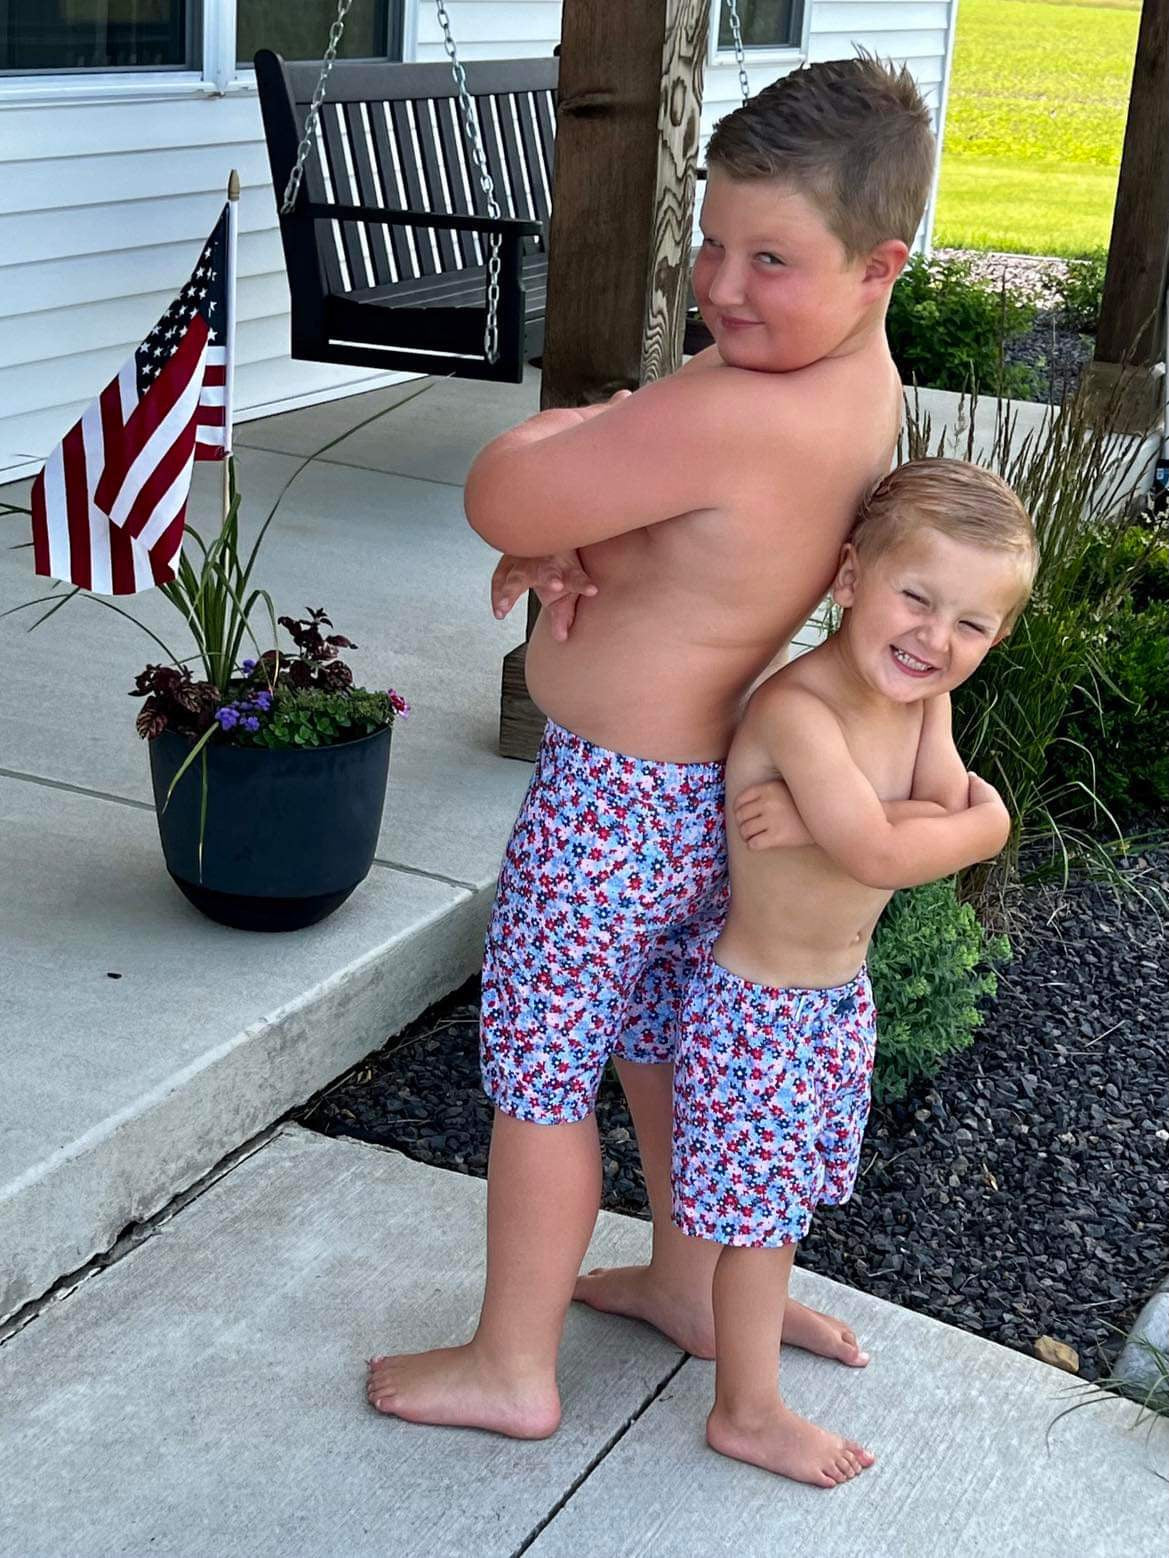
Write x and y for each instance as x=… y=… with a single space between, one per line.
x=984 y=794
x=559 y=581
x=767 y=818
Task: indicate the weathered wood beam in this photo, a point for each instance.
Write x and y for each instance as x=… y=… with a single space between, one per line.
x=1132 y=318
x=619 y=245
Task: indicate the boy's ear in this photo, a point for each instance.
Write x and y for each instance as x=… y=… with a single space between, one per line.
x=847 y=572
x=886 y=262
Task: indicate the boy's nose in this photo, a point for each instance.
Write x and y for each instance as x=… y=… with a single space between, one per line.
x=726 y=285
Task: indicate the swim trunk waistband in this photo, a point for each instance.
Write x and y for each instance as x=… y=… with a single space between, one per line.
x=795 y=1002
x=644 y=778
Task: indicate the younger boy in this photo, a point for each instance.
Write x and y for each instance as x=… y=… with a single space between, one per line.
x=778 y=1028
x=710 y=508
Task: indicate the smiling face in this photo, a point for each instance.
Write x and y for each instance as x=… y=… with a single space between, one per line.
x=923 y=614
x=775 y=286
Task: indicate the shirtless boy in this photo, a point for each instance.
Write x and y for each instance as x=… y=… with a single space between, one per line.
x=778 y=1028
x=709 y=509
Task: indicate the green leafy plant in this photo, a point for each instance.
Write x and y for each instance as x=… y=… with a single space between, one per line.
x=948 y=329
x=1077 y=290
x=930 y=965
x=1080 y=475
x=1117 y=728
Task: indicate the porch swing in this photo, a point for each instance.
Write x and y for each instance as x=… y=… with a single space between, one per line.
x=416 y=205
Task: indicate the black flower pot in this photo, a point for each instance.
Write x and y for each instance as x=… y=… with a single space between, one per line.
x=288 y=835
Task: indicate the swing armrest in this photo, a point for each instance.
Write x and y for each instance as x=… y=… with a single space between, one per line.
x=457 y=222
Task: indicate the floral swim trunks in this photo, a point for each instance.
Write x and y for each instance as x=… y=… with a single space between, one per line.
x=771 y=1098
x=613 y=883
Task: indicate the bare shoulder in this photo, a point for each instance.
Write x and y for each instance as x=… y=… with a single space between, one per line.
x=791 y=703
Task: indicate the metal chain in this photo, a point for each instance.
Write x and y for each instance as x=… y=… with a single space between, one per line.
x=292 y=188
x=486 y=184
x=740 y=52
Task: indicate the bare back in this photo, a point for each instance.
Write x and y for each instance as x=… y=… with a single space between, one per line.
x=691 y=610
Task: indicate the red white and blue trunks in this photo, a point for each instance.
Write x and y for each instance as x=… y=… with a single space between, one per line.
x=771 y=1098
x=613 y=883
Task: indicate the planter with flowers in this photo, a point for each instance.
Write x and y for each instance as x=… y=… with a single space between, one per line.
x=269 y=773
x=270 y=791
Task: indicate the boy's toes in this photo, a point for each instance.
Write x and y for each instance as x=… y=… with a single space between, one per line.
x=865 y=1457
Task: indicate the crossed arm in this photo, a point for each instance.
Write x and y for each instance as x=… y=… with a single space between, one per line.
x=891 y=845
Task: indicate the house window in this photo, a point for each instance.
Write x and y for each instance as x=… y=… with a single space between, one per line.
x=373 y=29
x=766 y=24
x=65 y=35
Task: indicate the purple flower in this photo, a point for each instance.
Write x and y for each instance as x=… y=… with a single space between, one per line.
x=263 y=702
x=251 y=723
x=247 y=666
x=399 y=705
x=228 y=716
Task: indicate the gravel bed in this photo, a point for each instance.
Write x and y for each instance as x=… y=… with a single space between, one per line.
x=1022 y=1193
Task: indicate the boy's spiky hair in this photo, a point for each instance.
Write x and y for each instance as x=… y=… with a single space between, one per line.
x=958 y=499
x=853 y=136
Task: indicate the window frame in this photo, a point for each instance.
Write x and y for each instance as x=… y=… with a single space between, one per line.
x=779 y=54
x=212 y=31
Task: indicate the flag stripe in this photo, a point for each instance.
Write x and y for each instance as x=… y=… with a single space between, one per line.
x=40 y=528
x=77 y=507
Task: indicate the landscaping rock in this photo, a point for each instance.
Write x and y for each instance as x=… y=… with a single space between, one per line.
x=1138 y=1370
x=1048 y=1349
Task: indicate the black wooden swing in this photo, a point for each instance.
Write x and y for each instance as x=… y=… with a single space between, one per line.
x=391 y=238
x=416 y=205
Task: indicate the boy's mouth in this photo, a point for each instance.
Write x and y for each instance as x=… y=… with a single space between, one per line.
x=729 y=322
x=910 y=664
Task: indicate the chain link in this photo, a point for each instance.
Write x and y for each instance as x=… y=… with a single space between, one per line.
x=486 y=184
x=740 y=52
x=292 y=188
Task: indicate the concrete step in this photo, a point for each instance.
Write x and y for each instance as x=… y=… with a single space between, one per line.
x=204 y=1396
x=121 y=1092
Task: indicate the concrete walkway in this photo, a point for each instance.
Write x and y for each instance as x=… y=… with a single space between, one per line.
x=203 y=1396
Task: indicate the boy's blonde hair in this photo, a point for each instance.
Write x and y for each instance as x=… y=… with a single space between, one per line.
x=966 y=502
x=853 y=136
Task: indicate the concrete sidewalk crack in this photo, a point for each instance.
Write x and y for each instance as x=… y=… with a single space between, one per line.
x=601 y=1455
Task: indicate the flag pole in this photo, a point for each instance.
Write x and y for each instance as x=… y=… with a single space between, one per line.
x=229 y=376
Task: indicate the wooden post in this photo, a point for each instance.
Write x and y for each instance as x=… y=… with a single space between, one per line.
x=1132 y=319
x=619 y=244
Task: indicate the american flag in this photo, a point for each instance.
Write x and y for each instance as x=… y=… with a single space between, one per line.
x=108 y=509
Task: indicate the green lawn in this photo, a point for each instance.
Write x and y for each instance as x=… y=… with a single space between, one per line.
x=1035 y=124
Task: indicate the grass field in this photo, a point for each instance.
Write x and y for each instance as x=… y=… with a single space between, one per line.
x=1035 y=124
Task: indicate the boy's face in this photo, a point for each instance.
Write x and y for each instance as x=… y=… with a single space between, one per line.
x=774 y=284
x=923 y=615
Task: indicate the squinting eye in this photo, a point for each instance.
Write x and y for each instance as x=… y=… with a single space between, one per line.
x=710 y=243
x=975 y=627
x=917 y=599
x=772 y=259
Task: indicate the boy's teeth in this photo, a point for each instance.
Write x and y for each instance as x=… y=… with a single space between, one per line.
x=908 y=659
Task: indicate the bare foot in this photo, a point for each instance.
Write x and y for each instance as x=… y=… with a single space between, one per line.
x=634 y=1291
x=456 y=1387
x=789 y=1445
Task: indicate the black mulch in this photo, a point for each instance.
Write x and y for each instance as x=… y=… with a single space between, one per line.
x=1056 y=354
x=1023 y=1193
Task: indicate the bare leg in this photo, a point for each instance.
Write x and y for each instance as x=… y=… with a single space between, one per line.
x=543 y=1189
x=672 y=1293
x=749 y=1420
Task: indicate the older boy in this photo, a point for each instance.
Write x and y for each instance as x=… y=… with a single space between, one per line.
x=710 y=508
x=778 y=1028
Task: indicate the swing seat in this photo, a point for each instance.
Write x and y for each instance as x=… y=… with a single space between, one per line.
x=387 y=243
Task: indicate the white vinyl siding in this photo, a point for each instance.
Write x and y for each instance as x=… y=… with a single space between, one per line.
x=111 y=184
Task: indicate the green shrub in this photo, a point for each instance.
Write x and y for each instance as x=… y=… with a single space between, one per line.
x=1117 y=730
x=930 y=964
x=947 y=329
x=1077 y=291
x=1078 y=477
